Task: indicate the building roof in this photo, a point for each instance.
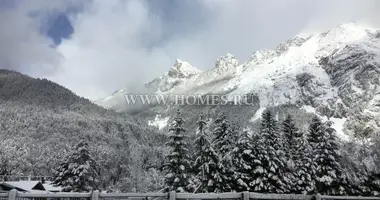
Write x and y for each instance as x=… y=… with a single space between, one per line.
x=51 y=188
x=24 y=185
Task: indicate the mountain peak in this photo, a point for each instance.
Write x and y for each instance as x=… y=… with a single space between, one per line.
x=226 y=61
x=182 y=69
x=353 y=25
x=178 y=61
x=345 y=33
x=260 y=56
x=296 y=41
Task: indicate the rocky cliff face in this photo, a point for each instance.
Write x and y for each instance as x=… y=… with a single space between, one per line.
x=355 y=71
x=333 y=74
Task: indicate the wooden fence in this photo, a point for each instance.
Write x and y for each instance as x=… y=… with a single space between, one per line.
x=95 y=195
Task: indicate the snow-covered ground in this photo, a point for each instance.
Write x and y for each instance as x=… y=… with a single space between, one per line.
x=159 y=122
x=258 y=114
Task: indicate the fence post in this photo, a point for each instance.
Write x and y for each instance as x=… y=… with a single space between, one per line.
x=246 y=195
x=12 y=194
x=318 y=197
x=95 y=195
x=172 y=195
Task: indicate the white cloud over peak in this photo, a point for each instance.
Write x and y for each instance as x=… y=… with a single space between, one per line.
x=123 y=43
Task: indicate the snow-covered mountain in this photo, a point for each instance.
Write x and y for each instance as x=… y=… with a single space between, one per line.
x=335 y=74
x=177 y=75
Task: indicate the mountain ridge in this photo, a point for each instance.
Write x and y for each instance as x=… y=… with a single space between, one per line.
x=304 y=71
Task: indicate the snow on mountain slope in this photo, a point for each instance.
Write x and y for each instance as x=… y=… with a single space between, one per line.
x=176 y=77
x=336 y=73
x=225 y=66
x=261 y=56
x=182 y=69
x=338 y=123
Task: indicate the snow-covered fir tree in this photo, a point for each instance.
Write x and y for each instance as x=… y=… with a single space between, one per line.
x=208 y=174
x=357 y=161
x=62 y=175
x=370 y=173
x=328 y=175
x=78 y=173
x=315 y=132
x=291 y=136
x=341 y=186
x=224 y=135
x=371 y=185
x=224 y=141
x=243 y=159
x=357 y=182
x=299 y=158
x=178 y=163
x=274 y=180
x=259 y=171
x=304 y=168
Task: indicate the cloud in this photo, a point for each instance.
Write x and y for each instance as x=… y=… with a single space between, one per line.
x=22 y=46
x=327 y=14
x=123 y=43
x=109 y=48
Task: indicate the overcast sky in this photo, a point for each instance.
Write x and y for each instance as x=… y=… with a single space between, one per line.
x=95 y=47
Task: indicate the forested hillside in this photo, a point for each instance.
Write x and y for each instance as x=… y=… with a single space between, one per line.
x=42 y=122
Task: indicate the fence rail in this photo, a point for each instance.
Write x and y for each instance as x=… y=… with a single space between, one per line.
x=95 y=195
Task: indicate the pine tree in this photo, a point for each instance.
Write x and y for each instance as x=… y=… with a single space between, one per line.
x=206 y=166
x=372 y=184
x=291 y=136
x=299 y=158
x=315 y=132
x=78 y=173
x=224 y=141
x=243 y=159
x=259 y=170
x=274 y=180
x=313 y=138
x=304 y=168
x=62 y=174
x=225 y=135
x=328 y=175
x=370 y=173
x=357 y=182
x=178 y=163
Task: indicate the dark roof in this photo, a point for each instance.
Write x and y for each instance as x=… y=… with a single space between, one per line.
x=22 y=185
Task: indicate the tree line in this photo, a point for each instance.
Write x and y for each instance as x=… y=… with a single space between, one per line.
x=275 y=159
